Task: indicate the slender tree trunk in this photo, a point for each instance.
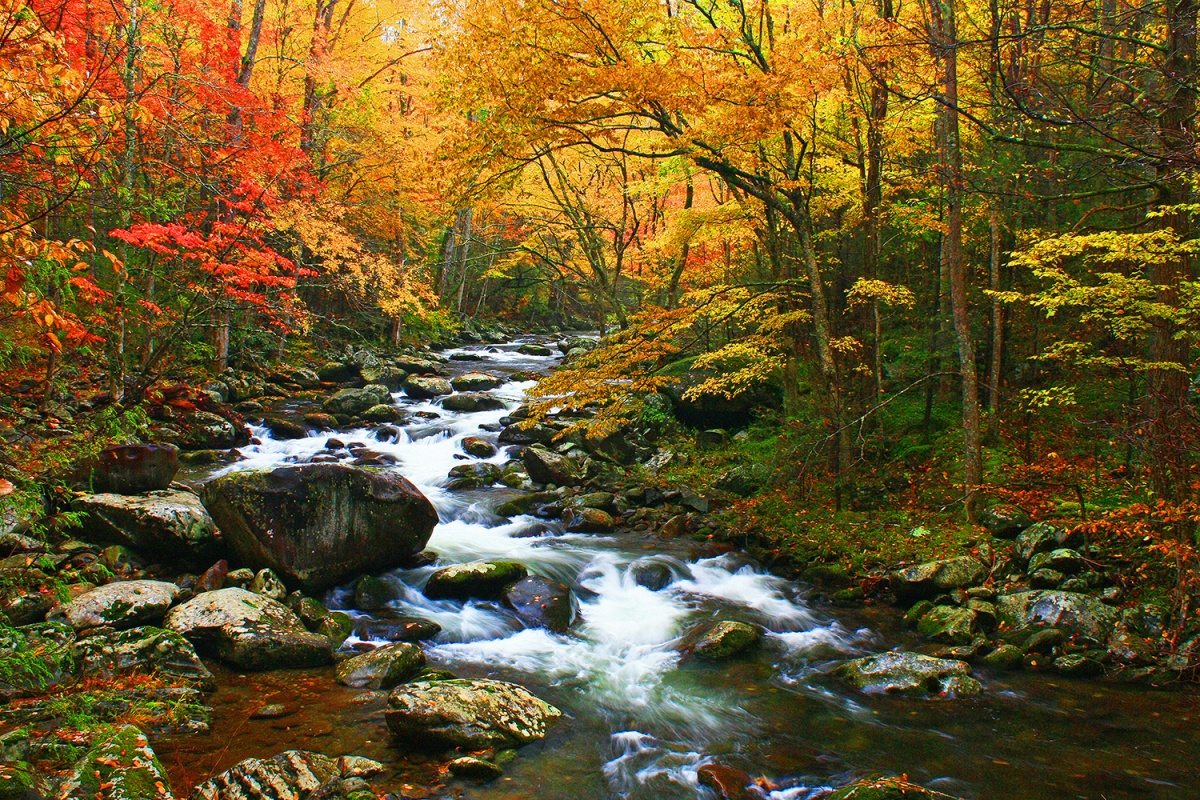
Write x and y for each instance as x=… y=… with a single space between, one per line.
x=943 y=36
x=681 y=265
x=997 y=362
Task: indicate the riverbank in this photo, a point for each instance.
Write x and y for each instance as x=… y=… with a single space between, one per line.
x=682 y=667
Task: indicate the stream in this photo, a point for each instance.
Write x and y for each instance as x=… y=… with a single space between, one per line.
x=639 y=719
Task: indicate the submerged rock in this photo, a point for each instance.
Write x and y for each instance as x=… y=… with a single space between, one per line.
x=485 y=580
x=476 y=769
x=466 y=713
x=725 y=639
x=909 y=674
x=291 y=775
x=588 y=520
x=249 y=631
x=541 y=603
x=886 y=789
x=120 y=766
x=319 y=525
x=171 y=526
x=396 y=629
x=120 y=605
x=480 y=448
x=383 y=667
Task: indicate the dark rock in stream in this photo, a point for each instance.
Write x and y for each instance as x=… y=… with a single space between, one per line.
x=935 y=577
x=319 y=525
x=283 y=429
x=356 y=401
x=382 y=668
x=722 y=640
x=480 y=448
x=544 y=466
x=470 y=402
x=469 y=714
x=292 y=775
x=396 y=629
x=541 y=603
x=728 y=782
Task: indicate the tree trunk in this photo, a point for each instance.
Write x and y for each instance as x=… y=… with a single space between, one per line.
x=997 y=322
x=943 y=37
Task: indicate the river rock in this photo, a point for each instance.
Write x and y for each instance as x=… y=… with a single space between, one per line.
x=723 y=640
x=207 y=431
x=383 y=667
x=1071 y=612
x=319 y=525
x=1041 y=537
x=476 y=382
x=372 y=594
x=1006 y=521
x=1006 y=656
x=532 y=349
x=249 y=631
x=541 y=603
x=480 y=448
x=470 y=402
x=142 y=651
x=653 y=575
x=169 y=526
x=391 y=377
x=119 y=766
x=349 y=402
x=292 y=775
x=285 y=429
x=466 y=713
x=425 y=387
x=948 y=625
x=909 y=674
x=417 y=366
x=129 y=469
x=474 y=476
x=544 y=466
x=588 y=520
x=935 y=577
x=886 y=789
x=395 y=628
x=268 y=584
x=476 y=769
x=1062 y=560
x=336 y=372
x=120 y=605
x=485 y=580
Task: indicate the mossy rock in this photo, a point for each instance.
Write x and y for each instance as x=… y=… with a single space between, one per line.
x=909 y=674
x=485 y=580
x=886 y=789
x=724 y=640
x=383 y=667
x=466 y=713
x=120 y=766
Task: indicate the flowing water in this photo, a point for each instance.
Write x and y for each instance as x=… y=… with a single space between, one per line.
x=640 y=720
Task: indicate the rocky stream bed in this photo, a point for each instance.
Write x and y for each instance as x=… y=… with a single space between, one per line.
x=396 y=588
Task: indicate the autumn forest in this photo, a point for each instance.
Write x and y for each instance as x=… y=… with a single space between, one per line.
x=643 y=364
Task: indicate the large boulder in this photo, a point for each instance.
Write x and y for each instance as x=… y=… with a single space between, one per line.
x=141 y=651
x=485 y=580
x=544 y=466
x=249 y=631
x=171 y=526
x=292 y=775
x=1071 y=612
x=349 y=402
x=468 y=714
x=425 y=387
x=129 y=469
x=908 y=674
x=204 y=430
x=541 y=603
x=476 y=382
x=124 y=604
x=391 y=377
x=935 y=577
x=383 y=667
x=120 y=766
x=949 y=625
x=319 y=525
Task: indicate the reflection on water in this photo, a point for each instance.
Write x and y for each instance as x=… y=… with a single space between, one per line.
x=641 y=719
